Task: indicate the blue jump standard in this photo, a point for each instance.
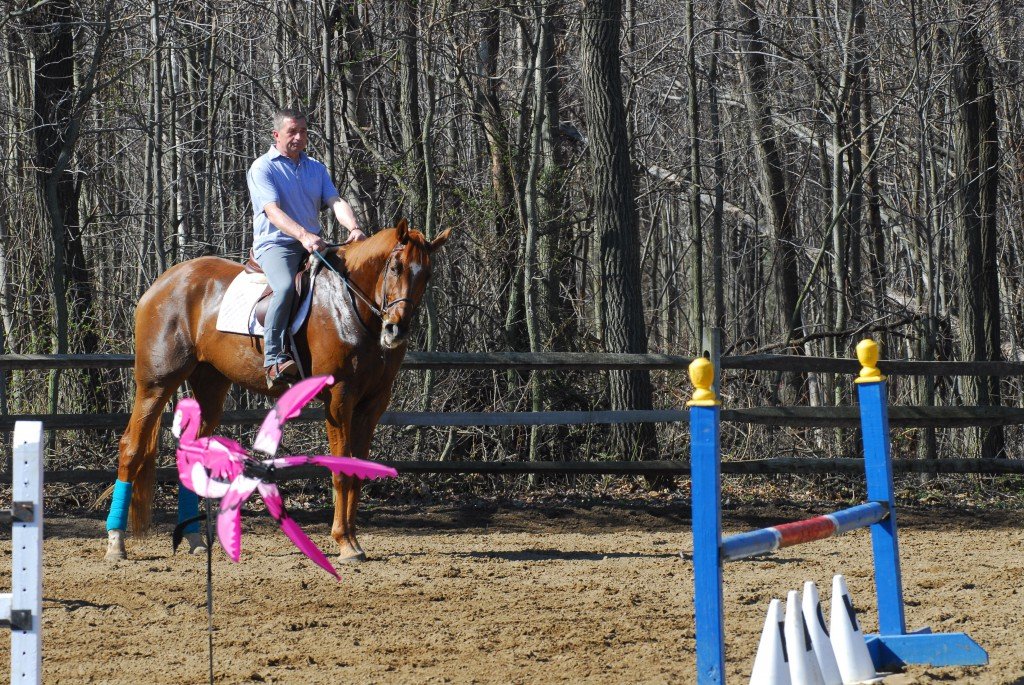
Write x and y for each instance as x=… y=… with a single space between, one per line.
x=894 y=646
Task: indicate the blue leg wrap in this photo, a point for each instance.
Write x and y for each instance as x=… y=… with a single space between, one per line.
x=119 y=503
x=188 y=507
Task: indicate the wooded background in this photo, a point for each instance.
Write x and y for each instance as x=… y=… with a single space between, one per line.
x=619 y=177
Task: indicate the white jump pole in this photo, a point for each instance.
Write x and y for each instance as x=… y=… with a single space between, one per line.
x=22 y=608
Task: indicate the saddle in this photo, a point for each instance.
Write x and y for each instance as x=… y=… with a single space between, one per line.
x=300 y=285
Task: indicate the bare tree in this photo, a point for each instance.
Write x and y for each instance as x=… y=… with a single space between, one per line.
x=615 y=215
x=62 y=92
x=976 y=145
x=775 y=192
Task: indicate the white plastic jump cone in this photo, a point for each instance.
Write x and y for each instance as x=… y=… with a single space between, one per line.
x=803 y=665
x=771 y=665
x=815 y=622
x=848 y=642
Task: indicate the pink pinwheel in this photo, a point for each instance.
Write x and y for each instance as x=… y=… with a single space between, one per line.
x=218 y=467
x=287 y=407
x=205 y=465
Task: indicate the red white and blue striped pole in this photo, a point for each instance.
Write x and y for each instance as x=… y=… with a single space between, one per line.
x=756 y=542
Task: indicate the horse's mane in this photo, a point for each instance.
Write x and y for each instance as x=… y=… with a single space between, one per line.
x=375 y=247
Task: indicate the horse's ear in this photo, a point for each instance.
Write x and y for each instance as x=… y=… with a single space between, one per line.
x=440 y=240
x=402 y=230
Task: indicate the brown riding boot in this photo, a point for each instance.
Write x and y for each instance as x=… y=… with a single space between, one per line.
x=282 y=373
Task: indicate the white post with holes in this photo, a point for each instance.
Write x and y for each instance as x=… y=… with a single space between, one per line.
x=22 y=609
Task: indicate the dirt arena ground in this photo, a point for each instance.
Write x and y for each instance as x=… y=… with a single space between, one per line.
x=580 y=592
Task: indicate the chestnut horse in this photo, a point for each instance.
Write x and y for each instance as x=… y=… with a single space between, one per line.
x=355 y=331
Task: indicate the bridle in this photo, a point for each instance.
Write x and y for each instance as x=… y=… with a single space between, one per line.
x=385 y=304
x=356 y=293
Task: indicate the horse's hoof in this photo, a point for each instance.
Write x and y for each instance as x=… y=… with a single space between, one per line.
x=115 y=546
x=351 y=555
x=196 y=543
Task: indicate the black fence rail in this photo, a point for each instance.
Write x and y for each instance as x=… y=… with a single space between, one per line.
x=792 y=416
x=579 y=361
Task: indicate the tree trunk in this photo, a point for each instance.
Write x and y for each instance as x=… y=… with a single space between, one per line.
x=156 y=109
x=554 y=259
x=5 y=307
x=59 y=106
x=499 y=148
x=207 y=124
x=875 y=252
x=977 y=153
x=774 y=188
x=698 y=315
x=329 y=10
x=411 y=126
x=532 y=216
x=177 y=195
x=357 y=107
x=717 y=229
x=615 y=217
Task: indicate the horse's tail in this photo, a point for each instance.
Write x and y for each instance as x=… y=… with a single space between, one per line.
x=141 y=512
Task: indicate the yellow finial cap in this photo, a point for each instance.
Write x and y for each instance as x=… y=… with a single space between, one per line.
x=702 y=375
x=867 y=353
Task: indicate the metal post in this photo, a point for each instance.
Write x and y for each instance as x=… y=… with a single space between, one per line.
x=711 y=347
x=893 y=646
x=705 y=478
x=874 y=423
x=25 y=602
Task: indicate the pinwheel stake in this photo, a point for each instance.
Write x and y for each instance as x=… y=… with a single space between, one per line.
x=219 y=468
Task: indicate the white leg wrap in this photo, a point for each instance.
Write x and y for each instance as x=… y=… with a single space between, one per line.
x=196 y=543
x=115 y=546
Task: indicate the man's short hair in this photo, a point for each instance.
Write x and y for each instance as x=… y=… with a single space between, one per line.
x=287 y=113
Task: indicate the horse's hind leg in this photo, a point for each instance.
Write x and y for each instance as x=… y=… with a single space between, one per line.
x=209 y=387
x=136 y=466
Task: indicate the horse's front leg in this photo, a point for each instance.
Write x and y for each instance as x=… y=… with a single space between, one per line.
x=346 y=503
x=346 y=488
x=360 y=435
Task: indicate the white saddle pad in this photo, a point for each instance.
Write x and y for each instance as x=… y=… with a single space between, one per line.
x=237 y=309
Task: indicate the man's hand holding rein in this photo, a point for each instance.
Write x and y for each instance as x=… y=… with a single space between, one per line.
x=312 y=242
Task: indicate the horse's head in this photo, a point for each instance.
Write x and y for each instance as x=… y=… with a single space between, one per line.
x=403 y=281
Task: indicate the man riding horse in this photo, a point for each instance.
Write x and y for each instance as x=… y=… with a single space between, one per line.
x=288 y=189
x=360 y=311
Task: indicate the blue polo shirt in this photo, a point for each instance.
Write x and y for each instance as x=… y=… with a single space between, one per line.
x=301 y=189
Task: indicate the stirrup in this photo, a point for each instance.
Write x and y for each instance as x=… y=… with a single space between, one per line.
x=282 y=373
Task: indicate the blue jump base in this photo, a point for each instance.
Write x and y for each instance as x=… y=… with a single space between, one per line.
x=925 y=647
x=893 y=647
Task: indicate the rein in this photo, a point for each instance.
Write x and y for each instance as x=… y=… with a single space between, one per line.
x=378 y=310
x=353 y=290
